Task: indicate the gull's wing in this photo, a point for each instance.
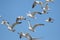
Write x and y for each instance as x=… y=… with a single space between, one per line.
x=41 y=4
x=37 y=12
x=34 y=4
x=20 y=34
x=29 y=23
x=28 y=36
x=34 y=13
x=14 y=24
x=37 y=25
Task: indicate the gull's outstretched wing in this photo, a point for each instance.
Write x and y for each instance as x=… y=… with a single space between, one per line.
x=14 y=24
x=34 y=4
x=34 y=13
x=29 y=23
x=37 y=25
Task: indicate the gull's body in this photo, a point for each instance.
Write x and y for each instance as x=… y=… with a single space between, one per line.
x=27 y=35
x=49 y=20
x=44 y=11
x=20 y=18
x=47 y=1
x=37 y=2
x=32 y=14
x=46 y=7
x=32 y=28
x=10 y=27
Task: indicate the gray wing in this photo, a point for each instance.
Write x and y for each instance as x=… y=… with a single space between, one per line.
x=34 y=4
x=33 y=13
x=14 y=24
x=37 y=25
x=38 y=12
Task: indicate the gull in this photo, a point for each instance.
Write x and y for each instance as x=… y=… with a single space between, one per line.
x=32 y=28
x=20 y=18
x=44 y=11
x=37 y=2
x=49 y=1
x=32 y=14
x=49 y=20
x=46 y=7
x=27 y=35
x=10 y=27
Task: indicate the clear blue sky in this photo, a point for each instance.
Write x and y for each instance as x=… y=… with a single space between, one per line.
x=11 y=9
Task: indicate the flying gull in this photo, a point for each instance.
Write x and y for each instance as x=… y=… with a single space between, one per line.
x=32 y=14
x=49 y=20
x=27 y=35
x=10 y=27
x=32 y=28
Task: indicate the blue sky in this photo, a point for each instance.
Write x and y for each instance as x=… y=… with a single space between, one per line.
x=11 y=9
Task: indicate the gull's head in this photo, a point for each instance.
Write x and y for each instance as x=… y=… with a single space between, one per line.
x=41 y=3
x=20 y=34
